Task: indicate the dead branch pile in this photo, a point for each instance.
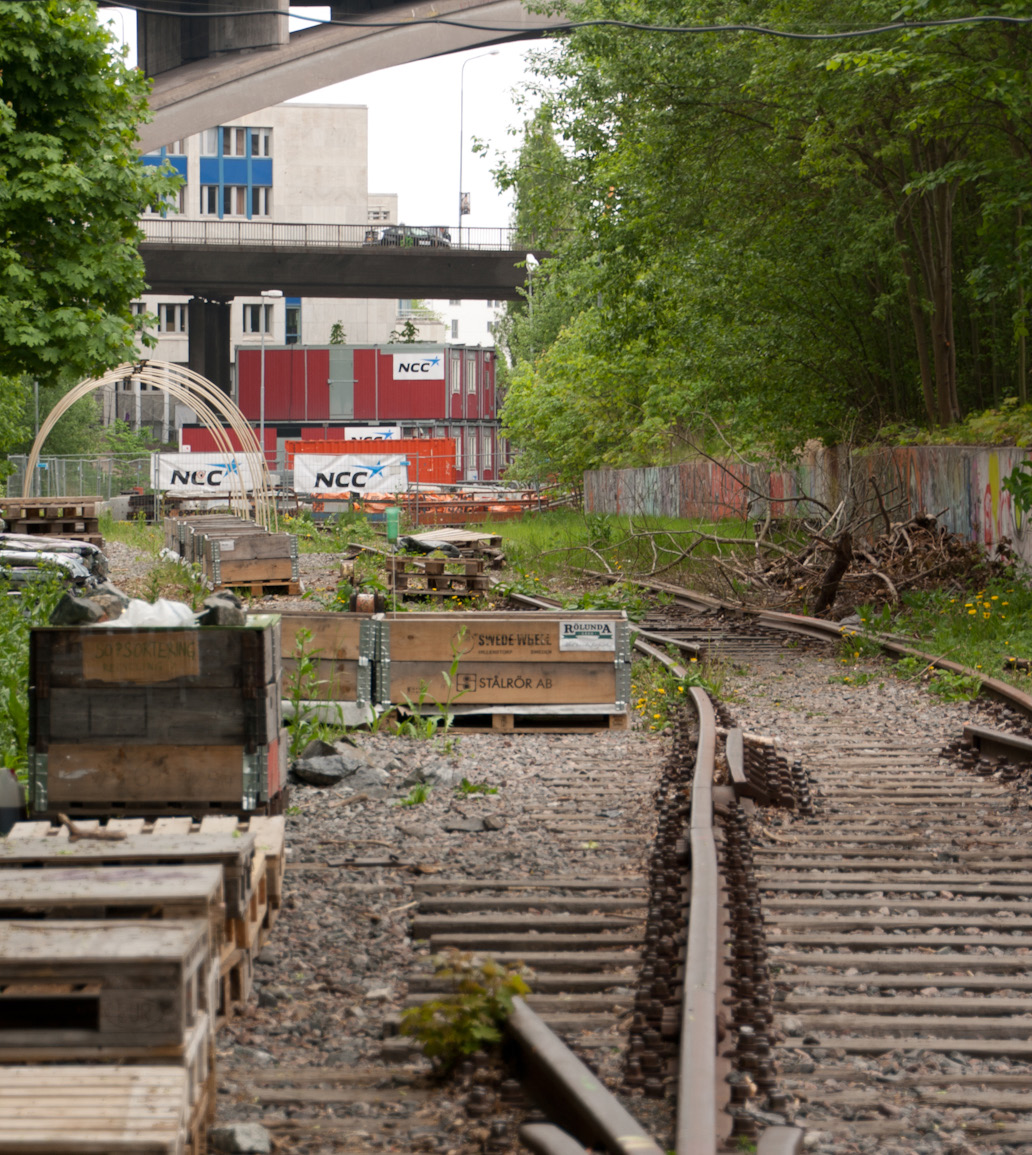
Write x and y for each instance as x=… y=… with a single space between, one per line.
x=837 y=571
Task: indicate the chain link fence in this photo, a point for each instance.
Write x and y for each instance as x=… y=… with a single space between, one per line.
x=105 y=475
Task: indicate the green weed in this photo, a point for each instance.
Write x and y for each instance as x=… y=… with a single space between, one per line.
x=472 y=1016
x=417 y=795
x=467 y=787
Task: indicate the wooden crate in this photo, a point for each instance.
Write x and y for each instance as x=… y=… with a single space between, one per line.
x=171 y=717
x=77 y=1110
x=38 y=844
x=344 y=649
x=574 y=659
x=240 y=557
x=102 y=983
x=436 y=578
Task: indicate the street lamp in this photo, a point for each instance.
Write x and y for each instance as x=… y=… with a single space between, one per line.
x=462 y=137
x=267 y=294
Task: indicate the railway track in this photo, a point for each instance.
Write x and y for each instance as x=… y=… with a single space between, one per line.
x=884 y=1003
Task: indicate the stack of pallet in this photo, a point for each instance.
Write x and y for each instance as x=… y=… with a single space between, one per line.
x=233 y=552
x=437 y=578
x=156 y=721
x=68 y=517
x=121 y=947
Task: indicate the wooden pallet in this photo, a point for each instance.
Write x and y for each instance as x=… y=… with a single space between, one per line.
x=261 y=589
x=437 y=578
x=195 y=1056
x=110 y=892
x=232 y=842
x=166 y=840
x=500 y=721
x=91 y=982
x=76 y=1110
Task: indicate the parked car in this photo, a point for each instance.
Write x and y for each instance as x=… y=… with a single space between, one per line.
x=408 y=236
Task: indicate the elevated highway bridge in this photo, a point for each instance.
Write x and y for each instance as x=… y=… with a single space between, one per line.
x=213 y=61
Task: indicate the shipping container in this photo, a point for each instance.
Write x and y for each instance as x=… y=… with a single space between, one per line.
x=367 y=383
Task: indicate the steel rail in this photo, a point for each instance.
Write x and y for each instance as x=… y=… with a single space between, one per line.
x=697 y=1070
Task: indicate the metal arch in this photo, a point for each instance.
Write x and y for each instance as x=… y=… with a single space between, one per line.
x=195 y=391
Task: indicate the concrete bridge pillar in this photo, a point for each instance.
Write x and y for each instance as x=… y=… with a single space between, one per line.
x=166 y=42
x=208 y=323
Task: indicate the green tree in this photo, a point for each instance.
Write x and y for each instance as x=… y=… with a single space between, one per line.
x=774 y=240
x=72 y=188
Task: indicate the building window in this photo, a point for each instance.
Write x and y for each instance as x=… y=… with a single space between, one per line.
x=209 y=200
x=210 y=142
x=293 y=327
x=258 y=318
x=138 y=308
x=485 y=452
x=260 y=196
x=171 y=318
x=234 y=200
x=454 y=302
x=454 y=328
x=491 y=326
x=471 y=376
x=261 y=141
x=234 y=142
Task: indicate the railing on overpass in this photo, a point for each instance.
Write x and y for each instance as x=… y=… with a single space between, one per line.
x=316 y=236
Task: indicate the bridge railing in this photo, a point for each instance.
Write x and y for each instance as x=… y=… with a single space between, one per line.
x=326 y=236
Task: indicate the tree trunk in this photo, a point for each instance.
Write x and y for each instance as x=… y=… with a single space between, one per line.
x=834 y=573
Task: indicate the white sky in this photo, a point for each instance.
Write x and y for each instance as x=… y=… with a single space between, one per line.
x=414 y=128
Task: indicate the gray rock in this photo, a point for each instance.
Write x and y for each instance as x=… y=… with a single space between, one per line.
x=494 y=822
x=317 y=748
x=434 y=774
x=266 y=998
x=324 y=770
x=412 y=829
x=109 y=589
x=348 y=1057
x=249 y=1138
x=111 y=603
x=331 y=769
x=73 y=611
x=463 y=825
x=223 y=609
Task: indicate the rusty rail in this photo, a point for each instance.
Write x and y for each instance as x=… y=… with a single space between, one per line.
x=697 y=1076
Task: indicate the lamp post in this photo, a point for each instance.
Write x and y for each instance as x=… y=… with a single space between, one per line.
x=267 y=294
x=532 y=263
x=462 y=137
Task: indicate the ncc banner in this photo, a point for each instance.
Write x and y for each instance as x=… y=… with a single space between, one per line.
x=323 y=473
x=199 y=473
x=371 y=432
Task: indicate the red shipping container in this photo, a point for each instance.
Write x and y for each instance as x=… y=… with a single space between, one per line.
x=296 y=384
x=200 y=439
x=431 y=460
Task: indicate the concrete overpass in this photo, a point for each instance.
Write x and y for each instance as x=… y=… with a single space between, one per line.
x=214 y=261
x=218 y=260
x=212 y=69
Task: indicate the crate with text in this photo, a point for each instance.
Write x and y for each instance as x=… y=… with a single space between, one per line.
x=150 y=720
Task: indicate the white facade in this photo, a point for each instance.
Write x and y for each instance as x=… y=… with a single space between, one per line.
x=306 y=164
x=469 y=322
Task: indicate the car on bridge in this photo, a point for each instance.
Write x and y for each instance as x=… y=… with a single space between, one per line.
x=410 y=236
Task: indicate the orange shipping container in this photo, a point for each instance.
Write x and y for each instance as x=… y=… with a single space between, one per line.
x=431 y=459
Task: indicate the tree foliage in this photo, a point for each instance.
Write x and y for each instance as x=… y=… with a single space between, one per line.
x=72 y=188
x=770 y=240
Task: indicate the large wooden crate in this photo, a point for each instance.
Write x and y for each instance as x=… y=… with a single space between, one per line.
x=67 y=517
x=155 y=720
x=77 y=1110
x=102 y=983
x=343 y=647
x=245 y=557
x=519 y=661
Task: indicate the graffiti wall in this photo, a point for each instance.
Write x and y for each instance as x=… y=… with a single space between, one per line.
x=961 y=485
